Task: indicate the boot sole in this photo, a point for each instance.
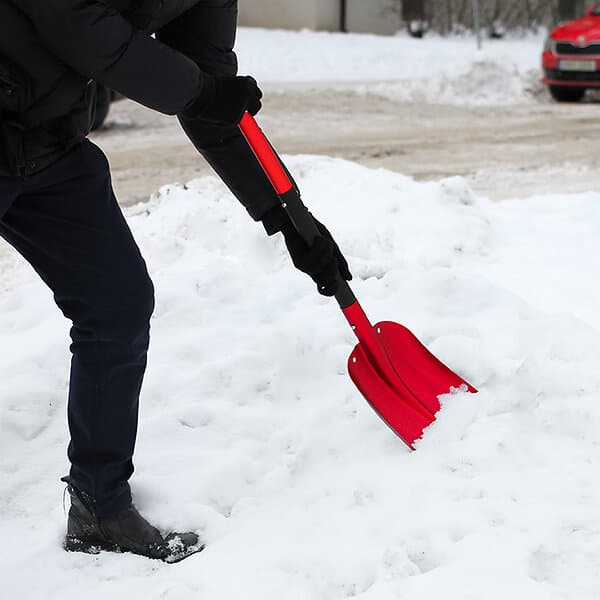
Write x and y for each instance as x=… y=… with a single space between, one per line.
x=95 y=546
x=88 y=546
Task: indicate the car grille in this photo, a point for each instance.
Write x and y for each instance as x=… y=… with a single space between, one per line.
x=573 y=75
x=571 y=49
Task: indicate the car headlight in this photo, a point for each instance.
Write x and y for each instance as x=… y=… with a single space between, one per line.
x=549 y=45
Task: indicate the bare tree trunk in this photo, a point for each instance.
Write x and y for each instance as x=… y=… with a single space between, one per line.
x=462 y=12
x=449 y=18
x=413 y=10
x=446 y=15
x=567 y=9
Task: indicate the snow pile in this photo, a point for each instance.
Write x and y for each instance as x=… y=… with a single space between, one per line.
x=485 y=82
x=445 y=70
x=251 y=430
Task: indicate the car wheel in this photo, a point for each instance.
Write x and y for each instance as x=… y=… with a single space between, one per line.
x=103 y=98
x=567 y=94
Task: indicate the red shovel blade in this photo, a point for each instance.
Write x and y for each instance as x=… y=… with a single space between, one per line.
x=394 y=403
x=421 y=372
x=399 y=377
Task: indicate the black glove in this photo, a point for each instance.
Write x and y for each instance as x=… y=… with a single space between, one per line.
x=224 y=100
x=323 y=261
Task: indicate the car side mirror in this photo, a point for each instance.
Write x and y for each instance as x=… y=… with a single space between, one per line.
x=590 y=11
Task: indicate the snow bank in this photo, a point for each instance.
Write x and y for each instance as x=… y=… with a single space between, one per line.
x=446 y=70
x=251 y=430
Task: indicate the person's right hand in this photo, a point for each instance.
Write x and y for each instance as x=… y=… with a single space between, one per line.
x=323 y=262
x=224 y=100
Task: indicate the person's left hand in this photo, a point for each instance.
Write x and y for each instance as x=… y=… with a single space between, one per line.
x=224 y=100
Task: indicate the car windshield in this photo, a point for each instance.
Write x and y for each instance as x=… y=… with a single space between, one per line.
x=596 y=11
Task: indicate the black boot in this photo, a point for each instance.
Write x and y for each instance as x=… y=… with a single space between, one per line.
x=126 y=531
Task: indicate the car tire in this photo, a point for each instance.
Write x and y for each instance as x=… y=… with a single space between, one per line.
x=567 y=94
x=103 y=99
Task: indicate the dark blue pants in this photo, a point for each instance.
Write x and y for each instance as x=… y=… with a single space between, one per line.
x=66 y=223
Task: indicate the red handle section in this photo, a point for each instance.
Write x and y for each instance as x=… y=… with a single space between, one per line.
x=265 y=154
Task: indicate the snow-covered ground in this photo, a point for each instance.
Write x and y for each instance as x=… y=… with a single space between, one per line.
x=252 y=432
x=444 y=70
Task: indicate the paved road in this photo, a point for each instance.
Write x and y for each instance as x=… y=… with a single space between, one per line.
x=504 y=152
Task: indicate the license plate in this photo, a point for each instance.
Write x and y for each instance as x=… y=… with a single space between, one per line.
x=577 y=65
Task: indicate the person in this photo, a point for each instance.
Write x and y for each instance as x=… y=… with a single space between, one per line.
x=58 y=209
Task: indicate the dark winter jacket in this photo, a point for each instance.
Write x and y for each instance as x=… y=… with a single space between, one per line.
x=53 y=51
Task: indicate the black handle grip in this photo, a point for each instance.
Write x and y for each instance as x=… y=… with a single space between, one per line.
x=287 y=190
x=306 y=227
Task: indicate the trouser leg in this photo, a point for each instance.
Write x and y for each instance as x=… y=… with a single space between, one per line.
x=206 y=34
x=67 y=224
x=10 y=188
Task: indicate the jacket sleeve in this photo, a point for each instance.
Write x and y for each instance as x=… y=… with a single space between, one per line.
x=96 y=41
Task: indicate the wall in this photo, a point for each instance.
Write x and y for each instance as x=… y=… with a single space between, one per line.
x=371 y=16
x=286 y=14
x=383 y=16
x=328 y=14
x=374 y=16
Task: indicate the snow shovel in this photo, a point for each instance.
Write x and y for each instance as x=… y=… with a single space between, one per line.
x=396 y=374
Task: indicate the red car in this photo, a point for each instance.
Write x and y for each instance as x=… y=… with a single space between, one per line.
x=571 y=59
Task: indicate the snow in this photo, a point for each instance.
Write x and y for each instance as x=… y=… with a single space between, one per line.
x=252 y=432
x=250 y=429
x=438 y=69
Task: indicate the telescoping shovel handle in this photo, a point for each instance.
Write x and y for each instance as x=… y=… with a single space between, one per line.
x=288 y=194
x=397 y=375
